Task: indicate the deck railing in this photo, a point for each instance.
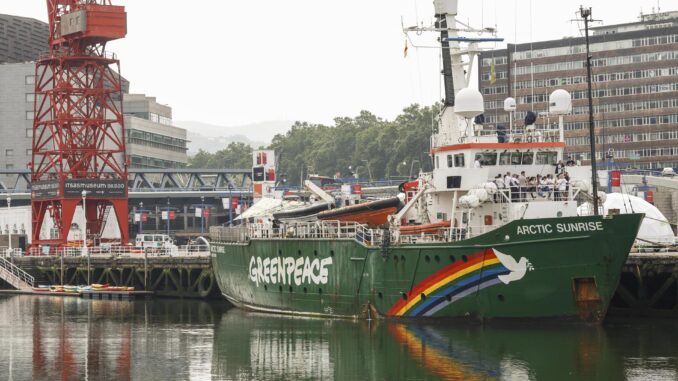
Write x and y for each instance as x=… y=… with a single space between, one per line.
x=124 y=251
x=341 y=230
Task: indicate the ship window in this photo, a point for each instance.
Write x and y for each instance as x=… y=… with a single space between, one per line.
x=459 y=160
x=528 y=158
x=437 y=162
x=547 y=158
x=516 y=158
x=488 y=158
x=449 y=161
x=453 y=182
x=504 y=158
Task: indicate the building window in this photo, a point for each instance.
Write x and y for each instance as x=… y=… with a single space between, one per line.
x=30 y=97
x=30 y=115
x=29 y=152
x=29 y=132
x=9 y=152
x=30 y=80
x=9 y=166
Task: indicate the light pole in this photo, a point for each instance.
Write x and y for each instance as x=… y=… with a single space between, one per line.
x=141 y=217
x=230 y=204
x=369 y=171
x=168 y=216
x=84 y=234
x=202 y=216
x=9 y=234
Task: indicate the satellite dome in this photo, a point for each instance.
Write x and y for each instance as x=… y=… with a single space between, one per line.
x=560 y=102
x=469 y=103
x=509 y=104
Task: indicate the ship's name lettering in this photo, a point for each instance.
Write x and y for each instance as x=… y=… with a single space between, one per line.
x=560 y=228
x=289 y=270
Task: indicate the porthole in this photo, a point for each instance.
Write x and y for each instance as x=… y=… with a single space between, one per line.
x=265 y=288
x=464 y=258
x=427 y=258
x=402 y=258
x=305 y=290
x=404 y=296
x=331 y=253
x=280 y=288
x=315 y=253
x=500 y=297
x=436 y=258
x=452 y=259
x=320 y=291
x=380 y=295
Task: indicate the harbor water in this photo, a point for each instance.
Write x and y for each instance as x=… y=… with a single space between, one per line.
x=68 y=338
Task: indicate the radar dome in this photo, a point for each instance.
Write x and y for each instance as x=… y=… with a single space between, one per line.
x=509 y=104
x=469 y=103
x=560 y=102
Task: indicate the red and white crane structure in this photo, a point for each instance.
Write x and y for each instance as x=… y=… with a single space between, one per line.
x=78 y=131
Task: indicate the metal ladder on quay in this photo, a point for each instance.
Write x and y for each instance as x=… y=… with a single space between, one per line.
x=15 y=276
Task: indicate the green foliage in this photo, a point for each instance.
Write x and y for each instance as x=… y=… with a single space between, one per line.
x=235 y=156
x=392 y=148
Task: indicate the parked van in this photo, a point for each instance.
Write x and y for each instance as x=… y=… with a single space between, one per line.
x=156 y=241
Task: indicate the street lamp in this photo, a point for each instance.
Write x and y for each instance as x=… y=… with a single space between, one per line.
x=230 y=204
x=202 y=216
x=168 y=216
x=369 y=171
x=84 y=234
x=141 y=217
x=9 y=236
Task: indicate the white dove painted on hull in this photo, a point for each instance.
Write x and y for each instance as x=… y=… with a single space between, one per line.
x=517 y=269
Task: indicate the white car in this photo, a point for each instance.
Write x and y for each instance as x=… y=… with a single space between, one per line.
x=668 y=172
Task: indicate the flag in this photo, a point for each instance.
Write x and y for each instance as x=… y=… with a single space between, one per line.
x=493 y=74
x=405 y=51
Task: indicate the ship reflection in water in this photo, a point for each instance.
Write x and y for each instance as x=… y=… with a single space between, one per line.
x=47 y=338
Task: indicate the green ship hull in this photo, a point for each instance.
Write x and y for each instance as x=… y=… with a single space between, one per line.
x=565 y=268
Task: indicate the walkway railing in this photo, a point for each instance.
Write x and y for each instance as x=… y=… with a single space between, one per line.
x=15 y=276
x=341 y=230
x=125 y=251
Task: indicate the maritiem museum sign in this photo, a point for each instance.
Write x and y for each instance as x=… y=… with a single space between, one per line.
x=72 y=188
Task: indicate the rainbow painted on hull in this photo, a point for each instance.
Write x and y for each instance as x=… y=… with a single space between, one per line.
x=452 y=283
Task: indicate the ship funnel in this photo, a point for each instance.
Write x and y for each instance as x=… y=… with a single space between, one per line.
x=469 y=103
x=560 y=102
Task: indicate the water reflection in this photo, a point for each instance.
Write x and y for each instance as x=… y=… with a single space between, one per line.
x=45 y=338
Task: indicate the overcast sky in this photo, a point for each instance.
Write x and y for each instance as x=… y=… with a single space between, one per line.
x=230 y=62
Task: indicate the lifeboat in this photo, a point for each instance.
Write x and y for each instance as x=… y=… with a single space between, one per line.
x=369 y=213
x=433 y=228
x=304 y=211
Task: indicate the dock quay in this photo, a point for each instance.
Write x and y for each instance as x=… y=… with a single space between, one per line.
x=184 y=276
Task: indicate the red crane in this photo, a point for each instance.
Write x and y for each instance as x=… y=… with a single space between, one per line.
x=78 y=129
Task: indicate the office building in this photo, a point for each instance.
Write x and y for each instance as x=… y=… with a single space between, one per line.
x=635 y=89
x=152 y=141
x=22 y=39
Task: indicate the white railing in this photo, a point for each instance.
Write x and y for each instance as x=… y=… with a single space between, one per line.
x=127 y=251
x=14 y=275
x=343 y=230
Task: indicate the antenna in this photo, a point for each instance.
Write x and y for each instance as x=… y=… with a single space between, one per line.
x=585 y=14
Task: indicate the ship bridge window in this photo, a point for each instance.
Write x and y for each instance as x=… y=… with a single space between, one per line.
x=528 y=158
x=516 y=158
x=459 y=160
x=487 y=158
x=449 y=161
x=505 y=158
x=547 y=158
